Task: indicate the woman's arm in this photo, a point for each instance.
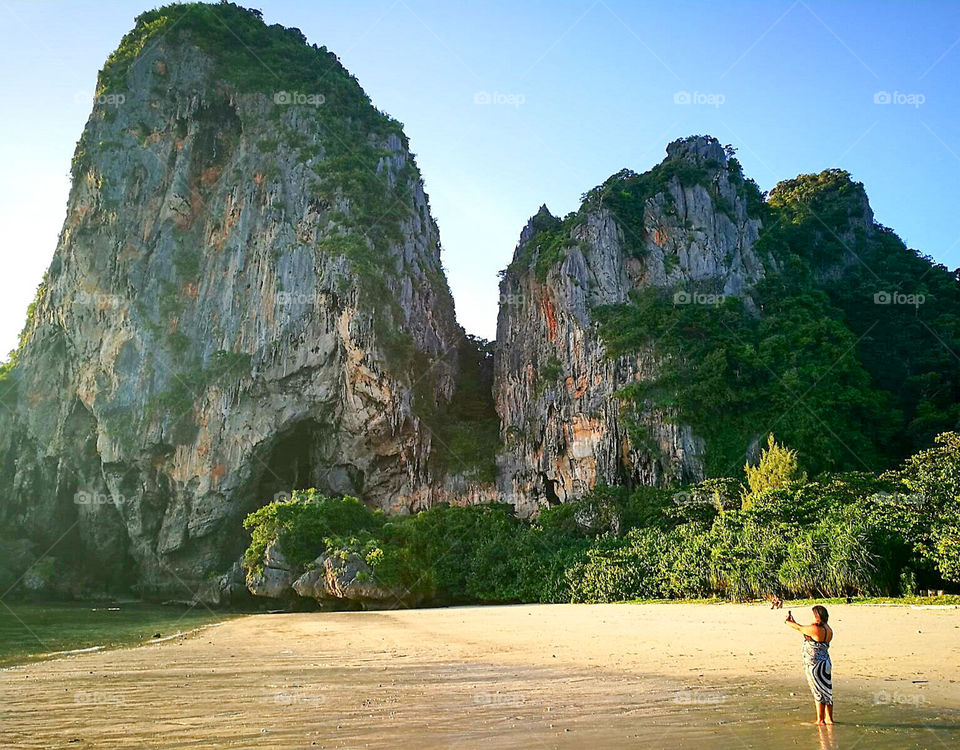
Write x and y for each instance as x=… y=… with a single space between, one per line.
x=811 y=630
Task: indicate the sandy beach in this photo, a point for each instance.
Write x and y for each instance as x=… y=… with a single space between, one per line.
x=672 y=675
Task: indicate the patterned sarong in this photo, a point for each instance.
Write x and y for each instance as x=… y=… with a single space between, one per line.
x=816 y=663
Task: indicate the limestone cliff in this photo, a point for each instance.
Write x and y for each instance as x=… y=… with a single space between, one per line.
x=246 y=297
x=689 y=225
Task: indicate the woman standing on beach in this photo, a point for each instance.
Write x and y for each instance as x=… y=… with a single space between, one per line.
x=816 y=661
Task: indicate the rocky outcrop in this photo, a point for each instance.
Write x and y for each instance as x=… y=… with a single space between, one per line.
x=246 y=297
x=346 y=578
x=229 y=589
x=692 y=230
x=275 y=577
x=336 y=579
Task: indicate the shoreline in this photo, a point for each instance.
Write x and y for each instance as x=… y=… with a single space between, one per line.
x=232 y=614
x=107 y=649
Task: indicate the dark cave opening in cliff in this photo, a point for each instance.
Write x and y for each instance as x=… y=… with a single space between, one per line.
x=549 y=488
x=290 y=462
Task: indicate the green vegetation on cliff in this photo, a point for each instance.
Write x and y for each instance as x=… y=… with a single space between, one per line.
x=249 y=56
x=734 y=375
x=847 y=351
x=466 y=433
x=846 y=348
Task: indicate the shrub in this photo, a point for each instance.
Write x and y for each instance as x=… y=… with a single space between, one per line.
x=835 y=557
x=778 y=466
x=931 y=480
x=301 y=525
x=621 y=569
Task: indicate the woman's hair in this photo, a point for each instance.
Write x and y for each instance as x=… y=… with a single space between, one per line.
x=822 y=613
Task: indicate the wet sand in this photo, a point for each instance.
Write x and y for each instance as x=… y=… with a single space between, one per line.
x=667 y=675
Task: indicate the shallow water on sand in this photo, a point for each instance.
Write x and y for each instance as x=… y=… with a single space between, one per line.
x=767 y=727
x=31 y=632
x=522 y=709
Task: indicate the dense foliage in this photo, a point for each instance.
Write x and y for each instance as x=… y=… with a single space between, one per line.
x=466 y=433
x=841 y=535
x=846 y=348
x=731 y=374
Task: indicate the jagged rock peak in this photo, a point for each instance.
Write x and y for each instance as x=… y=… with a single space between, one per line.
x=689 y=224
x=698 y=149
x=541 y=221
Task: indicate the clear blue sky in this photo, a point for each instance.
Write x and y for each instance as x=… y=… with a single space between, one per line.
x=579 y=89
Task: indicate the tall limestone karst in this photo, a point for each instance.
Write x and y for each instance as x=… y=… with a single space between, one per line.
x=246 y=297
x=654 y=336
x=691 y=224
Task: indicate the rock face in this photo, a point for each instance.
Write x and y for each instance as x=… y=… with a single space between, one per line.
x=246 y=297
x=564 y=427
x=275 y=580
